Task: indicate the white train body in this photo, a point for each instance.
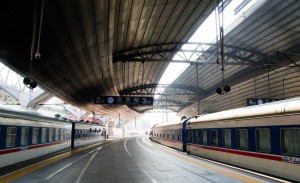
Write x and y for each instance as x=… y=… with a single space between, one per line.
x=170 y=142
x=25 y=136
x=264 y=138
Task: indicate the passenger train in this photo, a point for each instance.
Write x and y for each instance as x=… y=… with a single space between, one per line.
x=26 y=135
x=264 y=138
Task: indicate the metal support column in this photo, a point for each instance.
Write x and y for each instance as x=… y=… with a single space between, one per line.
x=198 y=95
x=167 y=109
x=73 y=135
x=123 y=130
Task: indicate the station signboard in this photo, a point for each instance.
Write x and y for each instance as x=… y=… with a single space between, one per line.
x=258 y=101
x=121 y=100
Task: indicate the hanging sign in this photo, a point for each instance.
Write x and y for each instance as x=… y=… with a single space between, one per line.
x=258 y=101
x=123 y=100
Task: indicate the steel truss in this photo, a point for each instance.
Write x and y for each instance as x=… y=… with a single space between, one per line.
x=162 y=89
x=193 y=53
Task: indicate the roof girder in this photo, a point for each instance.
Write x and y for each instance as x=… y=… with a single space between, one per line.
x=165 y=53
x=167 y=89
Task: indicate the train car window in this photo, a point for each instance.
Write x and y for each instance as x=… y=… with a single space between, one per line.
x=226 y=138
x=82 y=133
x=214 y=137
x=24 y=136
x=204 y=137
x=44 y=135
x=68 y=132
x=263 y=140
x=242 y=139
x=65 y=134
x=180 y=135
x=290 y=141
x=173 y=135
x=56 y=134
x=61 y=134
x=11 y=137
x=196 y=136
x=35 y=135
x=51 y=134
x=189 y=136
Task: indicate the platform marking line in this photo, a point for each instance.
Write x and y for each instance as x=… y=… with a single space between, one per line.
x=147 y=142
x=126 y=148
x=24 y=171
x=98 y=149
x=86 y=166
x=66 y=166
x=241 y=169
x=220 y=170
x=151 y=178
x=143 y=146
x=223 y=164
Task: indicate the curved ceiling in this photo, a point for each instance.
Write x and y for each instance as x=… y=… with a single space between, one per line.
x=122 y=47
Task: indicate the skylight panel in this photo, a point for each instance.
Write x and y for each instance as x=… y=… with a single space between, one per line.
x=173 y=71
x=207 y=32
x=179 y=56
x=194 y=57
x=12 y=78
x=189 y=47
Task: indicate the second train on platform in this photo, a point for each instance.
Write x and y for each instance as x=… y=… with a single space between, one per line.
x=264 y=138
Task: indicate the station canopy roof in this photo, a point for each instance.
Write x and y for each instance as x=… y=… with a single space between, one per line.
x=164 y=49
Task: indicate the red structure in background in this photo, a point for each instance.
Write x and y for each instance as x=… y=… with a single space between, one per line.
x=95 y=119
x=111 y=123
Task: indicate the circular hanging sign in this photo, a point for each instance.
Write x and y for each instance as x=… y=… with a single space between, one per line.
x=110 y=100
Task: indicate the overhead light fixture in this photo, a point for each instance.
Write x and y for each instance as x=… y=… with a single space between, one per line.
x=30 y=83
x=226 y=89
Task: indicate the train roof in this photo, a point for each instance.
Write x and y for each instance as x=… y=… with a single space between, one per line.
x=27 y=115
x=32 y=115
x=283 y=107
x=168 y=124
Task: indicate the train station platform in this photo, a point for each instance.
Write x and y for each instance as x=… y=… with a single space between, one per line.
x=130 y=160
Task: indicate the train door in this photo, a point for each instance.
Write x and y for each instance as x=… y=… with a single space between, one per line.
x=184 y=135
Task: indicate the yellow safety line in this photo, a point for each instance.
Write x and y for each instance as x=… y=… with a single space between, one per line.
x=214 y=168
x=24 y=171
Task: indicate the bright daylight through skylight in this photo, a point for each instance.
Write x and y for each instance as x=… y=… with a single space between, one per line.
x=234 y=13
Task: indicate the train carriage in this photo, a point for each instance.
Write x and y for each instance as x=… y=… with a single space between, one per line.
x=26 y=135
x=169 y=134
x=264 y=138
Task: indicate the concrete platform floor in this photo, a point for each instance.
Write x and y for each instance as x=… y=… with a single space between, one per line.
x=135 y=160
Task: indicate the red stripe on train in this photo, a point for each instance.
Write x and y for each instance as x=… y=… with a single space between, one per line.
x=232 y=151
x=7 y=151
x=244 y=153
x=44 y=145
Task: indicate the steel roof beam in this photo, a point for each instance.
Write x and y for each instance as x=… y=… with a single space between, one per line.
x=156 y=110
x=167 y=89
x=156 y=53
x=187 y=61
x=177 y=47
